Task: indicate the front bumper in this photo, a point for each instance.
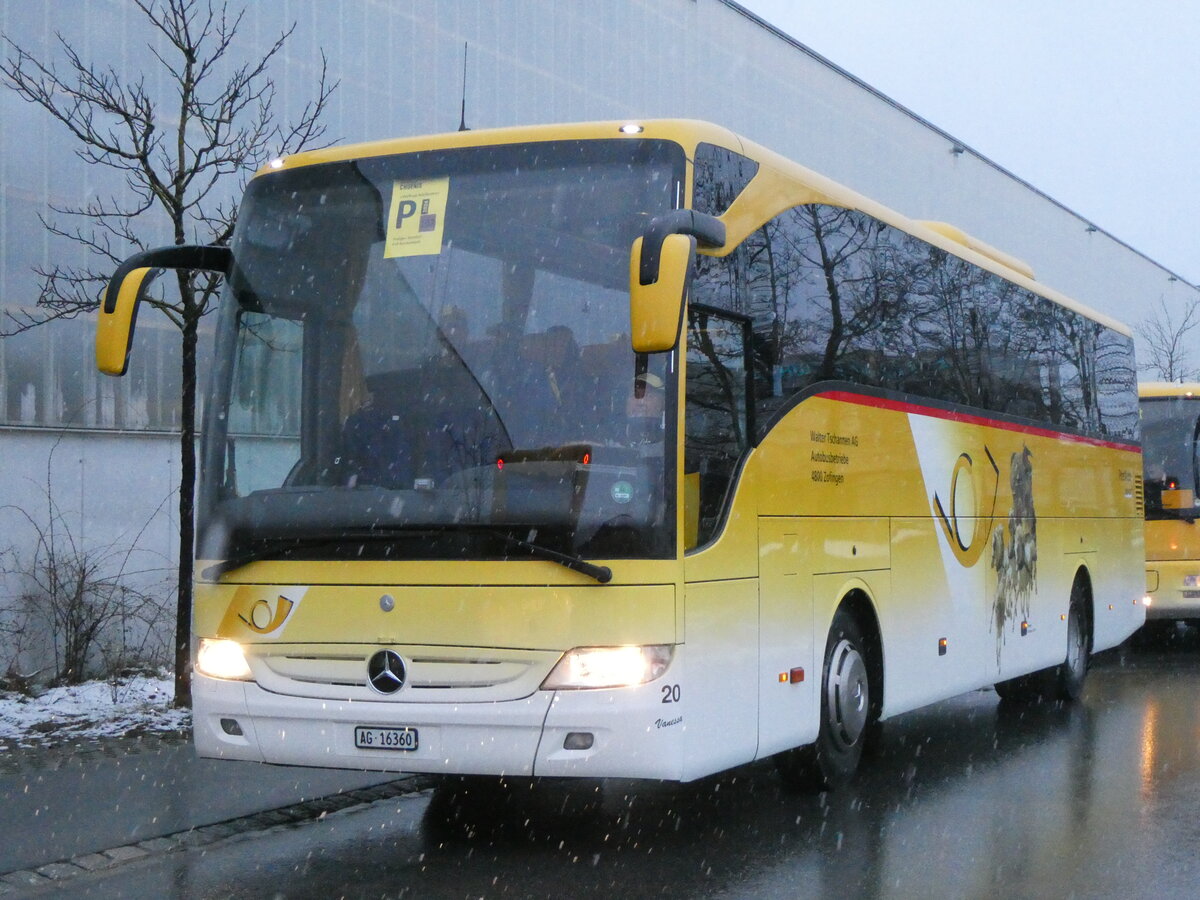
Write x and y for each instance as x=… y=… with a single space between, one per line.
x=525 y=737
x=1176 y=593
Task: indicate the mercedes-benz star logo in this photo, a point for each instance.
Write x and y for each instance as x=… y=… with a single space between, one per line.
x=385 y=672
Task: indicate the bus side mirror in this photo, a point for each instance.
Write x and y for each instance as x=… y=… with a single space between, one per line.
x=114 y=330
x=656 y=309
x=127 y=287
x=660 y=269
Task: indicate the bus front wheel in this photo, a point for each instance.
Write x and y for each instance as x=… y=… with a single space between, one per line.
x=846 y=713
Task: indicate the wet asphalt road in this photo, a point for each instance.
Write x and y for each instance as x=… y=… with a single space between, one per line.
x=94 y=802
x=967 y=798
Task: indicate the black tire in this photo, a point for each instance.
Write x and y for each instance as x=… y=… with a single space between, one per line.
x=847 y=714
x=1072 y=673
x=1065 y=681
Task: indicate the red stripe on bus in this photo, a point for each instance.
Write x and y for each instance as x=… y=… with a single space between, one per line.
x=969 y=419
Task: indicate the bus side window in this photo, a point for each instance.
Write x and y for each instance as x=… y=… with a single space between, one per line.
x=1194 y=451
x=716 y=416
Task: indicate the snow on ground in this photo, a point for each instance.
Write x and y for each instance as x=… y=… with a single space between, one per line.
x=137 y=704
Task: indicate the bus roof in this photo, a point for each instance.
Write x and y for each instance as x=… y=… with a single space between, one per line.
x=686 y=132
x=780 y=184
x=1151 y=389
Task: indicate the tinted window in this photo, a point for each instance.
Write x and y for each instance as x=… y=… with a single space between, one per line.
x=835 y=295
x=718 y=415
x=720 y=176
x=438 y=344
x=1170 y=456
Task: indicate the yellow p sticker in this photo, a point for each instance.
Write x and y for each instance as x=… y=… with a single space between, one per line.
x=416 y=217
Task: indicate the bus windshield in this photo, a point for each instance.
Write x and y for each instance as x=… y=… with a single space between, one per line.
x=428 y=356
x=1169 y=454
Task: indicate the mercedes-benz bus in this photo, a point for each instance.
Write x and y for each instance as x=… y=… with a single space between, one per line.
x=638 y=450
x=1170 y=425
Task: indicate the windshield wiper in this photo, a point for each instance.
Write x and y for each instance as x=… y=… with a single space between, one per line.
x=602 y=574
x=216 y=570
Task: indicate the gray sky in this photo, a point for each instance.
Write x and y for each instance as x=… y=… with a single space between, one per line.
x=1094 y=102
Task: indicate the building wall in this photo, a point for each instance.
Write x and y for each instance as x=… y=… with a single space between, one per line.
x=401 y=71
x=108 y=496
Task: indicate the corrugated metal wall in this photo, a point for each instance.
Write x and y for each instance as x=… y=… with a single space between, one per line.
x=528 y=61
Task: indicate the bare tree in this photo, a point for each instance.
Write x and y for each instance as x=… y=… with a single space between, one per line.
x=1163 y=335
x=82 y=598
x=16 y=634
x=182 y=157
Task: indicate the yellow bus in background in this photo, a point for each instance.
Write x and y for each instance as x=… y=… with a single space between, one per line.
x=634 y=449
x=1170 y=425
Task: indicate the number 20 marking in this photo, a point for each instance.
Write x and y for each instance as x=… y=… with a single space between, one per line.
x=670 y=693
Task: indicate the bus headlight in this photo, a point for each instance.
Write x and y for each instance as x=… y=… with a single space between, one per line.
x=221 y=659
x=608 y=667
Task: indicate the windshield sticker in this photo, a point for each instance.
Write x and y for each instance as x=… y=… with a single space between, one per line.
x=622 y=492
x=417 y=215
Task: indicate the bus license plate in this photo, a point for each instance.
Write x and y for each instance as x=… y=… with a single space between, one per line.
x=368 y=738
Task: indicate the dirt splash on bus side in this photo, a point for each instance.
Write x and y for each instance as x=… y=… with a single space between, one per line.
x=1014 y=551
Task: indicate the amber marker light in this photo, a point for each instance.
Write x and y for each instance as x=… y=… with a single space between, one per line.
x=632 y=128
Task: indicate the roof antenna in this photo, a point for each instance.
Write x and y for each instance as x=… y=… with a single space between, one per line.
x=462 y=122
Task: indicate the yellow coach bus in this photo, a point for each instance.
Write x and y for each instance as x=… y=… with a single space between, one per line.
x=633 y=449
x=1170 y=425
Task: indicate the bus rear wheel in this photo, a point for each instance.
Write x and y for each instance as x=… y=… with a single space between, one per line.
x=846 y=714
x=1065 y=681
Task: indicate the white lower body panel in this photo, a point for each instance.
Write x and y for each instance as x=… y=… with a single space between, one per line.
x=631 y=735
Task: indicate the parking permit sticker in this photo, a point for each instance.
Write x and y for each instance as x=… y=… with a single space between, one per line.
x=622 y=492
x=417 y=214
